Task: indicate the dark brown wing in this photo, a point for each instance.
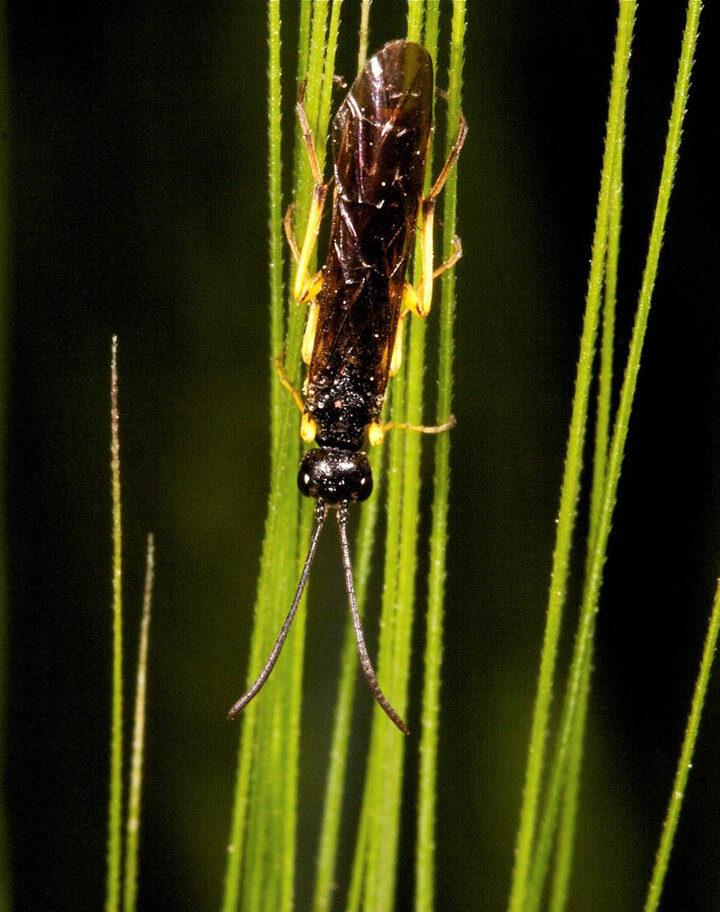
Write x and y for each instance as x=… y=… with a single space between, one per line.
x=380 y=139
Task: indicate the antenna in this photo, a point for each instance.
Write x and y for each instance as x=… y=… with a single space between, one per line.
x=359 y=635
x=237 y=708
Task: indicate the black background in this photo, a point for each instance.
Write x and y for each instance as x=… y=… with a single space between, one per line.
x=138 y=196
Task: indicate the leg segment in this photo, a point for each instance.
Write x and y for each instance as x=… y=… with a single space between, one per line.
x=377 y=430
x=308 y=428
x=427 y=219
x=451 y=159
x=305 y=286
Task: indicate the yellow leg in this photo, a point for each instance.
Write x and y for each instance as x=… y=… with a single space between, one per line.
x=451 y=159
x=377 y=430
x=308 y=427
x=424 y=288
x=305 y=286
x=308 y=342
x=427 y=219
x=396 y=358
x=412 y=299
x=285 y=380
x=308 y=292
x=451 y=260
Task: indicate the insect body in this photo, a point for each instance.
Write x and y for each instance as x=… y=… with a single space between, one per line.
x=358 y=300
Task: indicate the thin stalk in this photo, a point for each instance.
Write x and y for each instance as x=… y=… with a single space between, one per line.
x=264 y=815
x=335 y=783
x=416 y=13
x=280 y=432
x=276 y=245
x=364 y=33
x=593 y=585
x=566 y=830
x=566 y=833
x=267 y=579
x=386 y=834
x=289 y=719
x=132 y=830
x=271 y=861
x=368 y=860
x=685 y=761
x=328 y=79
x=5 y=877
x=571 y=477
x=427 y=786
x=404 y=614
x=292 y=724
x=114 y=850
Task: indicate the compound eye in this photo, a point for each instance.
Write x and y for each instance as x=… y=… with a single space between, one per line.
x=364 y=488
x=305 y=482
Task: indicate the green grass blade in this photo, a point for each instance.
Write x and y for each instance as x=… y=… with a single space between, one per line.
x=416 y=13
x=132 y=830
x=335 y=783
x=114 y=846
x=291 y=720
x=5 y=881
x=238 y=825
x=566 y=833
x=276 y=245
x=399 y=593
x=364 y=32
x=425 y=849
x=261 y=858
x=390 y=794
x=593 y=582
x=368 y=860
x=685 y=762
x=571 y=477
x=566 y=830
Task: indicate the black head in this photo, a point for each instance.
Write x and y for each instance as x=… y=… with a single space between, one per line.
x=334 y=476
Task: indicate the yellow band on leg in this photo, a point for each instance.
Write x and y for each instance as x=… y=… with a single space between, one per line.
x=375 y=433
x=308 y=428
x=308 y=342
x=397 y=353
x=303 y=288
x=424 y=290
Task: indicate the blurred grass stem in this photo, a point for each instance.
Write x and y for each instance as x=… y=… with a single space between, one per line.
x=114 y=847
x=573 y=466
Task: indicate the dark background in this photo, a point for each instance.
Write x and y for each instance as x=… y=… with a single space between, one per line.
x=139 y=157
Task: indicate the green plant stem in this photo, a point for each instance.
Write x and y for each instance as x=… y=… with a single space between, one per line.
x=114 y=854
x=571 y=478
x=685 y=761
x=384 y=838
x=364 y=33
x=416 y=13
x=566 y=834
x=291 y=722
x=368 y=860
x=425 y=849
x=275 y=204
x=132 y=834
x=334 y=786
x=279 y=432
x=593 y=584
x=264 y=812
x=566 y=830
x=5 y=876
